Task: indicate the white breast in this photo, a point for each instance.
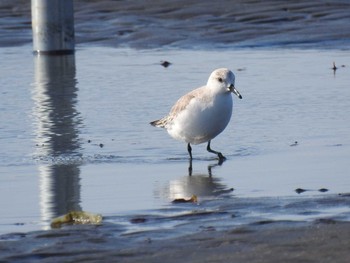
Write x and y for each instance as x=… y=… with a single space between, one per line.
x=202 y=120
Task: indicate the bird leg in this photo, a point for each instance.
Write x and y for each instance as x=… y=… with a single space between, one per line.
x=219 y=154
x=190 y=168
x=189 y=149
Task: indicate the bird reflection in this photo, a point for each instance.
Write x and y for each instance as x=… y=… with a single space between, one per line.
x=210 y=166
x=57 y=141
x=199 y=184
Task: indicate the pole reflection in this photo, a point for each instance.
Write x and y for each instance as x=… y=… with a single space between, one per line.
x=57 y=134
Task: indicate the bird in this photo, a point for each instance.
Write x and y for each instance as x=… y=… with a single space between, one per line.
x=203 y=113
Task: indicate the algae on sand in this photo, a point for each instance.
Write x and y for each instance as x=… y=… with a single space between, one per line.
x=77 y=217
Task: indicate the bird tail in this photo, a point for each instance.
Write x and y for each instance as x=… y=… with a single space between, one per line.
x=159 y=123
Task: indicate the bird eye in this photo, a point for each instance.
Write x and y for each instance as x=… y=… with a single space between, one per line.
x=220 y=79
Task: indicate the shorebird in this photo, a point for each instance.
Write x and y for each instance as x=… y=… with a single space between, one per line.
x=202 y=114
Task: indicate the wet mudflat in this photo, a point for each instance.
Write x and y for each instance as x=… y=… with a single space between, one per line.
x=75 y=135
x=115 y=164
x=193 y=24
x=324 y=240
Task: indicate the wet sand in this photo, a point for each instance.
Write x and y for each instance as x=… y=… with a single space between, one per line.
x=194 y=24
x=265 y=241
x=273 y=242
x=191 y=24
x=199 y=236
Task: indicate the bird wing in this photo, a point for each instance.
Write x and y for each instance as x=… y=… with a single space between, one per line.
x=183 y=102
x=178 y=107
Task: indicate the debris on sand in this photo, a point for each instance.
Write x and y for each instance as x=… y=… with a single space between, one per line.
x=193 y=199
x=77 y=218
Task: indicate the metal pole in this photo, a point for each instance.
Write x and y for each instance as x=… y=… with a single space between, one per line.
x=53 y=26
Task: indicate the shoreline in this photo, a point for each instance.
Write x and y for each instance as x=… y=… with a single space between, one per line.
x=197 y=236
x=323 y=240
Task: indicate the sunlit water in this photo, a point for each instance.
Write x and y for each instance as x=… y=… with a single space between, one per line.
x=75 y=134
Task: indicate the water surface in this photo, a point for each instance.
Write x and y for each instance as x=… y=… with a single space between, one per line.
x=75 y=134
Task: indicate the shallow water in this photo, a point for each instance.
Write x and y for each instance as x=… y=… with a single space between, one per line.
x=75 y=134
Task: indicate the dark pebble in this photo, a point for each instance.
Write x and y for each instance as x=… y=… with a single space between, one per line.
x=300 y=190
x=323 y=190
x=334 y=67
x=138 y=220
x=294 y=144
x=165 y=63
x=345 y=194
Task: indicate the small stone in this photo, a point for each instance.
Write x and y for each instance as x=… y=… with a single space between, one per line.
x=323 y=190
x=138 y=220
x=294 y=144
x=334 y=67
x=300 y=190
x=165 y=63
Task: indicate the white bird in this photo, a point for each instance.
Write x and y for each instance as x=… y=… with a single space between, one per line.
x=202 y=114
